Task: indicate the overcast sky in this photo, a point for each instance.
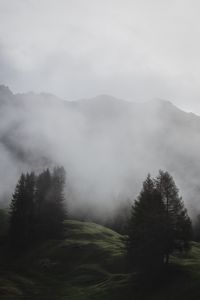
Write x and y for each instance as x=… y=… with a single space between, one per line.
x=132 y=49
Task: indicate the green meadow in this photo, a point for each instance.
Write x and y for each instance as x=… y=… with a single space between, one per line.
x=90 y=263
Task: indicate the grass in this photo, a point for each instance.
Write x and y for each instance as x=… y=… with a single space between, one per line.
x=89 y=263
x=84 y=265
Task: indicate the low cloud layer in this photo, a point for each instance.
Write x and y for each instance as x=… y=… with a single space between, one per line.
x=135 y=50
x=106 y=145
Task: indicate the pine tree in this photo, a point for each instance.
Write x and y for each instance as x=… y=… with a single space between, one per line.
x=50 y=209
x=196 y=228
x=37 y=208
x=146 y=240
x=57 y=200
x=178 y=231
x=43 y=216
x=22 y=211
x=159 y=223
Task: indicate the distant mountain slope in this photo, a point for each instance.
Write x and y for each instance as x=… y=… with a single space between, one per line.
x=107 y=145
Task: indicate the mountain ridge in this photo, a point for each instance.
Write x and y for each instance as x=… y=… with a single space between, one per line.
x=5 y=90
x=107 y=145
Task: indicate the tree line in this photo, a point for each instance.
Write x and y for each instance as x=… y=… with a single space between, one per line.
x=157 y=227
x=37 y=209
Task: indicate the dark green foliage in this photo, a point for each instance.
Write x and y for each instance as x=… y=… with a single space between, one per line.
x=178 y=224
x=146 y=246
x=22 y=211
x=50 y=210
x=42 y=205
x=36 y=210
x=159 y=224
x=57 y=200
x=4 y=223
x=196 y=228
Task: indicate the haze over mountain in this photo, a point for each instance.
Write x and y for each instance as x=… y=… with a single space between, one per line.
x=106 y=145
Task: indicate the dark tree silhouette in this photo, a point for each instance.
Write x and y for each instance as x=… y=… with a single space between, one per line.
x=22 y=211
x=42 y=210
x=159 y=224
x=146 y=239
x=50 y=209
x=57 y=199
x=37 y=208
x=178 y=230
x=196 y=228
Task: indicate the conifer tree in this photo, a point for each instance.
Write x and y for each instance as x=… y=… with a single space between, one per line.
x=57 y=200
x=146 y=239
x=178 y=230
x=42 y=209
x=37 y=208
x=50 y=209
x=159 y=223
x=22 y=211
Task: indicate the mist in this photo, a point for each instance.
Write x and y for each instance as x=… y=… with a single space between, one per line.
x=136 y=50
x=99 y=149
x=106 y=145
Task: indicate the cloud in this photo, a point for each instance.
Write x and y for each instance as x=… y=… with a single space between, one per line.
x=136 y=50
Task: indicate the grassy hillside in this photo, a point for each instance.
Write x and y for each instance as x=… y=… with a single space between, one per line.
x=90 y=264
x=87 y=264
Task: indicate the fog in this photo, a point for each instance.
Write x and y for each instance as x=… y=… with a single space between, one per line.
x=106 y=145
x=137 y=51
x=134 y=49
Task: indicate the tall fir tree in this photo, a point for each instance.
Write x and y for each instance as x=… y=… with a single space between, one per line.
x=178 y=231
x=50 y=208
x=22 y=211
x=42 y=210
x=146 y=239
x=37 y=209
x=57 y=199
x=159 y=223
